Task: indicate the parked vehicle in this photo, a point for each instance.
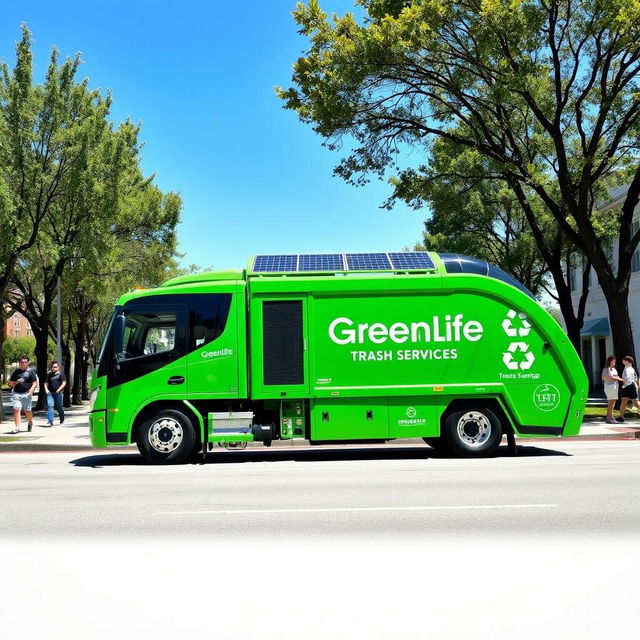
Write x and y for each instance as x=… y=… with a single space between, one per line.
x=335 y=348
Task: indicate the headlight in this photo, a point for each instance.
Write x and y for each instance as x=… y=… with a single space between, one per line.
x=93 y=396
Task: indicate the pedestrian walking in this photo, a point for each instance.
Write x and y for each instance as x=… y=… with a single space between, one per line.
x=23 y=383
x=629 y=391
x=610 y=378
x=54 y=386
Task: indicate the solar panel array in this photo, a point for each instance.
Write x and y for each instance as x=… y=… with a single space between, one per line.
x=400 y=261
x=368 y=262
x=276 y=264
x=321 y=262
x=411 y=260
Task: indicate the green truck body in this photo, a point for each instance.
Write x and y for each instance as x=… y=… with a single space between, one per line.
x=456 y=353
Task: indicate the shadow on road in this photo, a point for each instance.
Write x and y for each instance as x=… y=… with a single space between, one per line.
x=309 y=455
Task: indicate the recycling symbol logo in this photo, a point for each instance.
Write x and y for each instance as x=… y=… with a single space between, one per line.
x=510 y=330
x=517 y=356
x=523 y=362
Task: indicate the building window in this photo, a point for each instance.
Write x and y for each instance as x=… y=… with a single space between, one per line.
x=16 y=320
x=635 y=260
x=576 y=268
x=28 y=330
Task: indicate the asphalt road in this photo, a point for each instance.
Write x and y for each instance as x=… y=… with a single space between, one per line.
x=556 y=488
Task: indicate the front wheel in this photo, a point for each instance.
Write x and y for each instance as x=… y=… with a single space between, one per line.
x=167 y=438
x=472 y=432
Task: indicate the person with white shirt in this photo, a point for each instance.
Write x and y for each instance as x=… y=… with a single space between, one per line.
x=629 y=389
x=610 y=378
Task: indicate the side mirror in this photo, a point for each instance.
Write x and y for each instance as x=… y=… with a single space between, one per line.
x=118 y=337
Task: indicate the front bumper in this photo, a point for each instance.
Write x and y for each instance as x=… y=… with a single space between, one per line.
x=98 y=429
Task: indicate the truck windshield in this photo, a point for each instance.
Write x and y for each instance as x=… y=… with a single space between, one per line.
x=107 y=333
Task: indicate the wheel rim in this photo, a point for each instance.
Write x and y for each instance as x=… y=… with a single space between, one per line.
x=166 y=435
x=474 y=428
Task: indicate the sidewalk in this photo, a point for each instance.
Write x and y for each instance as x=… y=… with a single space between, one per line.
x=73 y=435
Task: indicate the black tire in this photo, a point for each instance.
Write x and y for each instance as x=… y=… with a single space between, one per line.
x=438 y=444
x=168 y=437
x=472 y=432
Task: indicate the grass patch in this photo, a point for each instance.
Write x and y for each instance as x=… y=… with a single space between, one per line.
x=18 y=438
x=602 y=411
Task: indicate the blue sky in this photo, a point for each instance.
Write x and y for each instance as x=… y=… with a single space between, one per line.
x=200 y=77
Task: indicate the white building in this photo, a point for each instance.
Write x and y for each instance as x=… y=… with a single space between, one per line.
x=596 y=334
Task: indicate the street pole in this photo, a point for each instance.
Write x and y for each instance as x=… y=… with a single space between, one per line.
x=59 y=330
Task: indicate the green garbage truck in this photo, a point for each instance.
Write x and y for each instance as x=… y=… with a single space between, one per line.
x=335 y=348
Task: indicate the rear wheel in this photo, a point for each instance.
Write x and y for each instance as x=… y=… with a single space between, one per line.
x=472 y=432
x=168 y=437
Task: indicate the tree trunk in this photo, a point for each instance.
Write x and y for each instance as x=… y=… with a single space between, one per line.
x=2 y=328
x=85 y=375
x=77 y=370
x=66 y=356
x=80 y=360
x=552 y=255
x=573 y=323
x=620 y=323
x=42 y=339
x=572 y=320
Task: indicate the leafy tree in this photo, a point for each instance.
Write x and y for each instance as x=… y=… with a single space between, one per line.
x=32 y=159
x=104 y=217
x=139 y=252
x=545 y=90
x=28 y=176
x=14 y=348
x=471 y=214
x=476 y=214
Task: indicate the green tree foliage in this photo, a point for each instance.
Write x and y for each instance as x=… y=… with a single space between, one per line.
x=139 y=251
x=546 y=91
x=473 y=215
x=14 y=348
x=105 y=226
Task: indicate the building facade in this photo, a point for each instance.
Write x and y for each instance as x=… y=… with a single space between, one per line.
x=17 y=326
x=596 y=341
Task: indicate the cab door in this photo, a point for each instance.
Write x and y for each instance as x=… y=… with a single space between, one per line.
x=149 y=361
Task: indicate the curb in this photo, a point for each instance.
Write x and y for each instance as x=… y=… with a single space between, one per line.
x=34 y=446
x=31 y=447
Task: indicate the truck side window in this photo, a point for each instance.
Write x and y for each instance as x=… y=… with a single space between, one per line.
x=208 y=314
x=160 y=339
x=147 y=333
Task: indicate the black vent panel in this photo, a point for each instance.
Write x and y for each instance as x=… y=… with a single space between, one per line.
x=283 y=344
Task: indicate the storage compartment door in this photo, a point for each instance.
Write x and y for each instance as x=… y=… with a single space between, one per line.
x=349 y=419
x=283 y=370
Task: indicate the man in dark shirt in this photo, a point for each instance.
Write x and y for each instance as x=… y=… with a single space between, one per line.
x=54 y=386
x=23 y=381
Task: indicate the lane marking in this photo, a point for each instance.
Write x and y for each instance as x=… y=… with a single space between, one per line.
x=355 y=509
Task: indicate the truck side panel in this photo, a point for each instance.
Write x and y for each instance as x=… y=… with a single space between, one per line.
x=442 y=342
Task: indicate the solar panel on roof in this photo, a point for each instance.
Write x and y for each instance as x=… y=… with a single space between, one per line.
x=411 y=260
x=314 y=262
x=276 y=264
x=321 y=262
x=368 y=261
